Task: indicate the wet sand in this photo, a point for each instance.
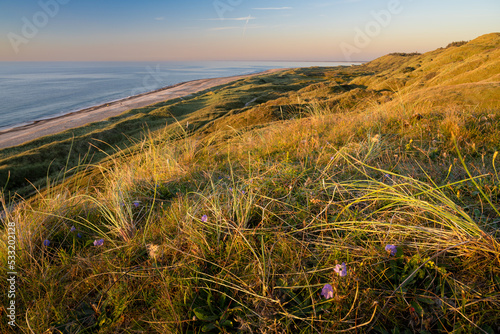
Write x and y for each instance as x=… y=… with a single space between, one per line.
x=22 y=134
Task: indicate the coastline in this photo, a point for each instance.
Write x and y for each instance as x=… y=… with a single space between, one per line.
x=21 y=134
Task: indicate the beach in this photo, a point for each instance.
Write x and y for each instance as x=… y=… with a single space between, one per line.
x=22 y=134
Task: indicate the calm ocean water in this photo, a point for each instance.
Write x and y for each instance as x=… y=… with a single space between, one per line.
x=31 y=91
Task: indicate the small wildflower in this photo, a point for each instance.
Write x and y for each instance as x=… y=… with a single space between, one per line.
x=79 y=235
x=46 y=242
x=153 y=250
x=327 y=291
x=136 y=203
x=341 y=269
x=99 y=242
x=391 y=249
x=204 y=218
x=243 y=192
x=73 y=229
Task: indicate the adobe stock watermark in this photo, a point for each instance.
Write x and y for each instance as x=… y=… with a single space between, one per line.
x=223 y=6
x=373 y=28
x=31 y=26
x=155 y=79
x=11 y=274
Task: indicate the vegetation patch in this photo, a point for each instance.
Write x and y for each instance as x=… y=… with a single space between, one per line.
x=310 y=200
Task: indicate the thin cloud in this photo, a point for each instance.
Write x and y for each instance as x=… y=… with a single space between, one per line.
x=224 y=28
x=330 y=4
x=233 y=19
x=159 y=18
x=273 y=8
x=244 y=28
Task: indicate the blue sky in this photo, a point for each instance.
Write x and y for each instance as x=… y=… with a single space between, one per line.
x=154 y=30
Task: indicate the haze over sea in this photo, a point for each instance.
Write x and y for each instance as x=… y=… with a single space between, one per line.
x=32 y=91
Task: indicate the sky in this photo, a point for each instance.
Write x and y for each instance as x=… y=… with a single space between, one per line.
x=164 y=30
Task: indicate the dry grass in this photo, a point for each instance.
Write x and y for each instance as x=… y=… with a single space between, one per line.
x=239 y=229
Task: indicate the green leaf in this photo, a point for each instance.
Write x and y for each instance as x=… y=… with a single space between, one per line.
x=421 y=274
x=210 y=300
x=410 y=281
x=418 y=309
x=203 y=314
x=208 y=328
x=428 y=301
x=222 y=300
x=227 y=323
x=322 y=307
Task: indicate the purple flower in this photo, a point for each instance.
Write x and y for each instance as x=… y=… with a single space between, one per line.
x=99 y=242
x=341 y=269
x=136 y=203
x=73 y=229
x=327 y=291
x=204 y=218
x=391 y=249
x=79 y=235
x=46 y=242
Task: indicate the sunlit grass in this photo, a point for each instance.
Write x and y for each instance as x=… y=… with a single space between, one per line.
x=202 y=235
x=245 y=226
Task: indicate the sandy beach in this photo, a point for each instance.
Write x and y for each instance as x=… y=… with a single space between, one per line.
x=22 y=134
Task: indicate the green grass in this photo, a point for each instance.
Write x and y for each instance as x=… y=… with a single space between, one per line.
x=236 y=222
x=438 y=79
x=94 y=142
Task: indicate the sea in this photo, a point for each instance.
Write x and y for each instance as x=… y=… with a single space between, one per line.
x=32 y=91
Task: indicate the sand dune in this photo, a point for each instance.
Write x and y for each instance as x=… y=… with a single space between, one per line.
x=19 y=135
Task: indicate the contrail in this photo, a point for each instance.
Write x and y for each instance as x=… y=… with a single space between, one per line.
x=246 y=23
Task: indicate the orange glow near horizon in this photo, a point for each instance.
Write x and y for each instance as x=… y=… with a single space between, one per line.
x=253 y=48
x=316 y=30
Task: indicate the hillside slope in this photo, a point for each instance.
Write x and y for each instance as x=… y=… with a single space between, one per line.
x=310 y=200
x=452 y=74
x=468 y=74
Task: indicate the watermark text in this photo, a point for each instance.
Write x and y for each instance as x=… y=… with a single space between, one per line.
x=31 y=26
x=364 y=36
x=11 y=274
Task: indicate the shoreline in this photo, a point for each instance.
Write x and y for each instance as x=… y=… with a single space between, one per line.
x=24 y=133
x=87 y=109
x=91 y=108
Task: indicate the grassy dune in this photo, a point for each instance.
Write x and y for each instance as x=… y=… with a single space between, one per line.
x=235 y=209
